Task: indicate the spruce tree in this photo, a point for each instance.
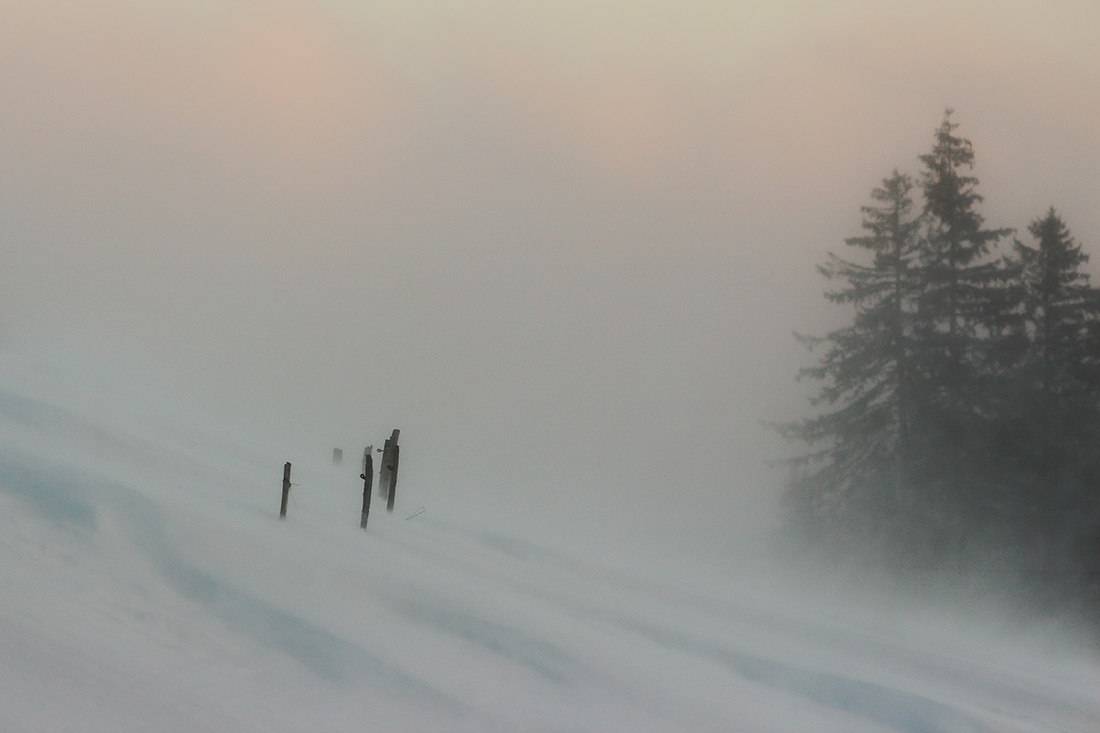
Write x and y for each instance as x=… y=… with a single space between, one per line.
x=856 y=480
x=960 y=327
x=902 y=435
x=959 y=409
x=1059 y=303
x=1052 y=462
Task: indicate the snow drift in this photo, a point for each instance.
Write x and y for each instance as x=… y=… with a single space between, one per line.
x=148 y=585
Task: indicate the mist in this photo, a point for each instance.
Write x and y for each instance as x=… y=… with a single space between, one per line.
x=568 y=277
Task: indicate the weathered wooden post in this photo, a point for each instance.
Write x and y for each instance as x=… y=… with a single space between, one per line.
x=387 y=474
x=286 y=491
x=368 y=478
x=393 y=474
x=384 y=470
x=337 y=456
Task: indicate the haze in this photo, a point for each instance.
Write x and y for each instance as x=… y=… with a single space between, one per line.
x=562 y=247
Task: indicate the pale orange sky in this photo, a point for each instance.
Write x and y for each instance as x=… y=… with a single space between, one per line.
x=693 y=36
x=515 y=230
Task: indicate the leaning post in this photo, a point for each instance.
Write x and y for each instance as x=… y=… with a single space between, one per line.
x=368 y=478
x=391 y=465
x=286 y=490
x=384 y=470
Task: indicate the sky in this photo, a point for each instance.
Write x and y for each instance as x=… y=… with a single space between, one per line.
x=561 y=246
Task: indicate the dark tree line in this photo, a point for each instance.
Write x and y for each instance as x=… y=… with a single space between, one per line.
x=957 y=418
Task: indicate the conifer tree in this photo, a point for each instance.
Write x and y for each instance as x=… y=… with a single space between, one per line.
x=1059 y=303
x=900 y=438
x=959 y=277
x=856 y=480
x=962 y=320
x=1052 y=462
x=959 y=410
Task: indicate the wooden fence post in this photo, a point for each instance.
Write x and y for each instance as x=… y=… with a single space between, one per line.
x=384 y=470
x=368 y=478
x=393 y=474
x=387 y=474
x=286 y=491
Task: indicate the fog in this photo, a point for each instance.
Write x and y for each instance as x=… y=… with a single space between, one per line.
x=150 y=585
x=562 y=251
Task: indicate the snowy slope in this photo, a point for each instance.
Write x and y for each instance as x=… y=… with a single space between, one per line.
x=148 y=585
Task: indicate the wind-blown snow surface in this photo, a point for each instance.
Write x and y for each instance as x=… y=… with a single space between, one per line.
x=148 y=585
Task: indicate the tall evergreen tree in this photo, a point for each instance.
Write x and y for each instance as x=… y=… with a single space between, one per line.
x=959 y=410
x=856 y=480
x=1052 y=462
x=960 y=325
x=901 y=429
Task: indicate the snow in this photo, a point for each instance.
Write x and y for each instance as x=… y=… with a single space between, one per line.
x=149 y=585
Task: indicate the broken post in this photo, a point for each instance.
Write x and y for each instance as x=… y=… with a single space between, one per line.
x=383 y=469
x=286 y=491
x=387 y=475
x=393 y=475
x=368 y=478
